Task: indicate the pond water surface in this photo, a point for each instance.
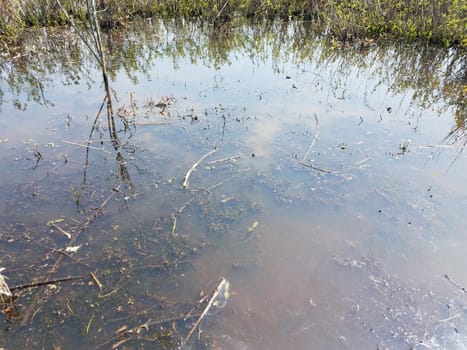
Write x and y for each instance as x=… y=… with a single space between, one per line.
x=321 y=179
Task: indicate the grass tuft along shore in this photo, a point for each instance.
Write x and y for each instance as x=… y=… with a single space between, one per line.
x=440 y=22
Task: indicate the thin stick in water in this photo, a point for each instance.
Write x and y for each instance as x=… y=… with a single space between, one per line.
x=315 y=168
x=455 y=284
x=43 y=283
x=315 y=138
x=223 y=160
x=62 y=231
x=213 y=297
x=85 y=146
x=174 y=226
x=188 y=173
x=96 y=280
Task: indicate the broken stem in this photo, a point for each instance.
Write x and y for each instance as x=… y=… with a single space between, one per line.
x=86 y=146
x=315 y=167
x=62 y=231
x=213 y=297
x=43 y=283
x=223 y=160
x=222 y=9
x=174 y=226
x=96 y=280
x=187 y=176
x=315 y=138
x=455 y=284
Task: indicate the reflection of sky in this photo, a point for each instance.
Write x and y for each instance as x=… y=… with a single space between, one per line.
x=282 y=124
x=406 y=210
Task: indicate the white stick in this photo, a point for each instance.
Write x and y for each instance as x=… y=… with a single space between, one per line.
x=86 y=146
x=213 y=297
x=223 y=160
x=187 y=176
x=315 y=138
x=4 y=290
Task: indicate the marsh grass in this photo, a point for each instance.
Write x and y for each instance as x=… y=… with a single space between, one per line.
x=432 y=21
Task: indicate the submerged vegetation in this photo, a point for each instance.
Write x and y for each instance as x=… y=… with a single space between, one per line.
x=132 y=242
x=434 y=21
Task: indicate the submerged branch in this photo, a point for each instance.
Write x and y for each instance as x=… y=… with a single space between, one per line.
x=223 y=283
x=43 y=283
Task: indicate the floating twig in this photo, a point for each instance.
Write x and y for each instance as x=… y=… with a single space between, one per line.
x=190 y=313
x=363 y=161
x=222 y=285
x=233 y=158
x=112 y=291
x=59 y=229
x=4 y=289
x=184 y=206
x=187 y=176
x=121 y=329
x=315 y=168
x=315 y=138
x=444 y=146
x=174 y=226
x=455 y=284
x=88 y=325
x=43 y=283
x=38 y=156
x=96 y=280
x=86 y=146
x=120 y=342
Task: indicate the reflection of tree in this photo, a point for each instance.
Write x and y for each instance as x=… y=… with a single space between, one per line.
x=90 y=36
x=114 y=139
x=430 y=74
x=96 y=47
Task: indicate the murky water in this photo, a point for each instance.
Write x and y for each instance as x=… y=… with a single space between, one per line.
x=328 y=192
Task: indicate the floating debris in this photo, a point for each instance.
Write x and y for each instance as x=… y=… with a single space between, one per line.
x=53 y=224
x=73 y=249
x=187 y=176
x=218 y=300
x=253 y=226
x=4 y=289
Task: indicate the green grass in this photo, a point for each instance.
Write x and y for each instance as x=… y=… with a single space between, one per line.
x=432 y=21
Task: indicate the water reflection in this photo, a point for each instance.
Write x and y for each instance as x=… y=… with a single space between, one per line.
x=431 y=74
x=327 y=203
